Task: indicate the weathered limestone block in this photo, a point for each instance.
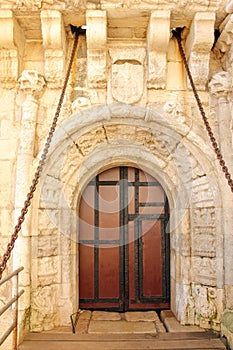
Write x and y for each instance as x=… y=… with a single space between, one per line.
x=6 y=169
x=202 y=195
x=204 y=271
x=203 y=245
x=156 y=141
x=47 y=246
x=176 y=77
x=46 y=218
x=6 y=225
x=11 y=48
x=127 y=74
x=89 y=140
x=50 y=193
x=48 y=270
x=221 y=84
x=198 y=46
x=96 y=22
x=72 y=162
x=204 y=217
x=54 y=43
x=43 y=307
x=205 y=305
x=157 y=45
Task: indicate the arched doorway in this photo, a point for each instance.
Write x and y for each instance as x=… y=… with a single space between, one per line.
x=123 y=242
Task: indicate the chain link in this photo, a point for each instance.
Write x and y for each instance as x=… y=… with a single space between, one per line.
x=177 y=35
x=39 y=169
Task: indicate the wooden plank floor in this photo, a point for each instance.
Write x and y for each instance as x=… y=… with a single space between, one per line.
x=162 y=341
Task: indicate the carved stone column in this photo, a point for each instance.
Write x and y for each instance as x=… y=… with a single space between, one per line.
x=221 y=89
x=158 y=40
x=31 y=86
x=198 y=46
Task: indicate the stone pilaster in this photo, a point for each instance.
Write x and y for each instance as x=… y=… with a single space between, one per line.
x=157 y=43
x=198 y=46
x=31 y=86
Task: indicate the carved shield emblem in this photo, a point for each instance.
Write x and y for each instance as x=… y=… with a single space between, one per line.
x=127 y=81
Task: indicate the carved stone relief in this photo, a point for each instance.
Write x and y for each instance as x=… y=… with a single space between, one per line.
x=127 y=74
x=43 y=308
x=127 y=81
x=221 y=84
x=204 y=271
x=205 y=305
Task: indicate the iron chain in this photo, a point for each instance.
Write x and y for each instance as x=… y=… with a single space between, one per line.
x=177 y=35
x=39 y=169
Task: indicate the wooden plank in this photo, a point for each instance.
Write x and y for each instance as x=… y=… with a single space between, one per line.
x=205 y=344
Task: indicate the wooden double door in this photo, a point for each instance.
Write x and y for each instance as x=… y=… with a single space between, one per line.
x=123 y=242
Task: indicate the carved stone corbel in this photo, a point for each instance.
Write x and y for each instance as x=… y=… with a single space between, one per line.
x=54 y=43
x=96 y=21
x=198 y=45
x=157 y=43
x=11 y=48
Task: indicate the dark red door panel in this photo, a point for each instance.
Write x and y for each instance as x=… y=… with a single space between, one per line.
x=123 y=244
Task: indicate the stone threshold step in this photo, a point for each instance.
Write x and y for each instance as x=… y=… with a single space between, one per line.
x=172 y=325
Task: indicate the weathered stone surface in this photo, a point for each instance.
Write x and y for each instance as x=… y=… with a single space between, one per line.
x=99 y=327
x=146 y=316
x=204 y=271
x=105 y=316
x=84 y=317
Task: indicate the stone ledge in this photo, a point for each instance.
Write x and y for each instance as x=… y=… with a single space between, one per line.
x=172 y=325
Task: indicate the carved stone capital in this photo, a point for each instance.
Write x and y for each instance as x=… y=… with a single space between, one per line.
x=221 y=84
x=31 y=83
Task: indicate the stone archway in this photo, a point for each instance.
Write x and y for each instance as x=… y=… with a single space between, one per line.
x=163 y=144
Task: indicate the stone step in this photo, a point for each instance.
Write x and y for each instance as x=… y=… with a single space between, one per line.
x=172 y=325
x=162 y=341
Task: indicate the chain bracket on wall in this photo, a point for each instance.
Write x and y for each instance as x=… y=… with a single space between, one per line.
x=177 y=34
x=6 y=256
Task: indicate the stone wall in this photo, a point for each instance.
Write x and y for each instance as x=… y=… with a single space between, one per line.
x=128 y=102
